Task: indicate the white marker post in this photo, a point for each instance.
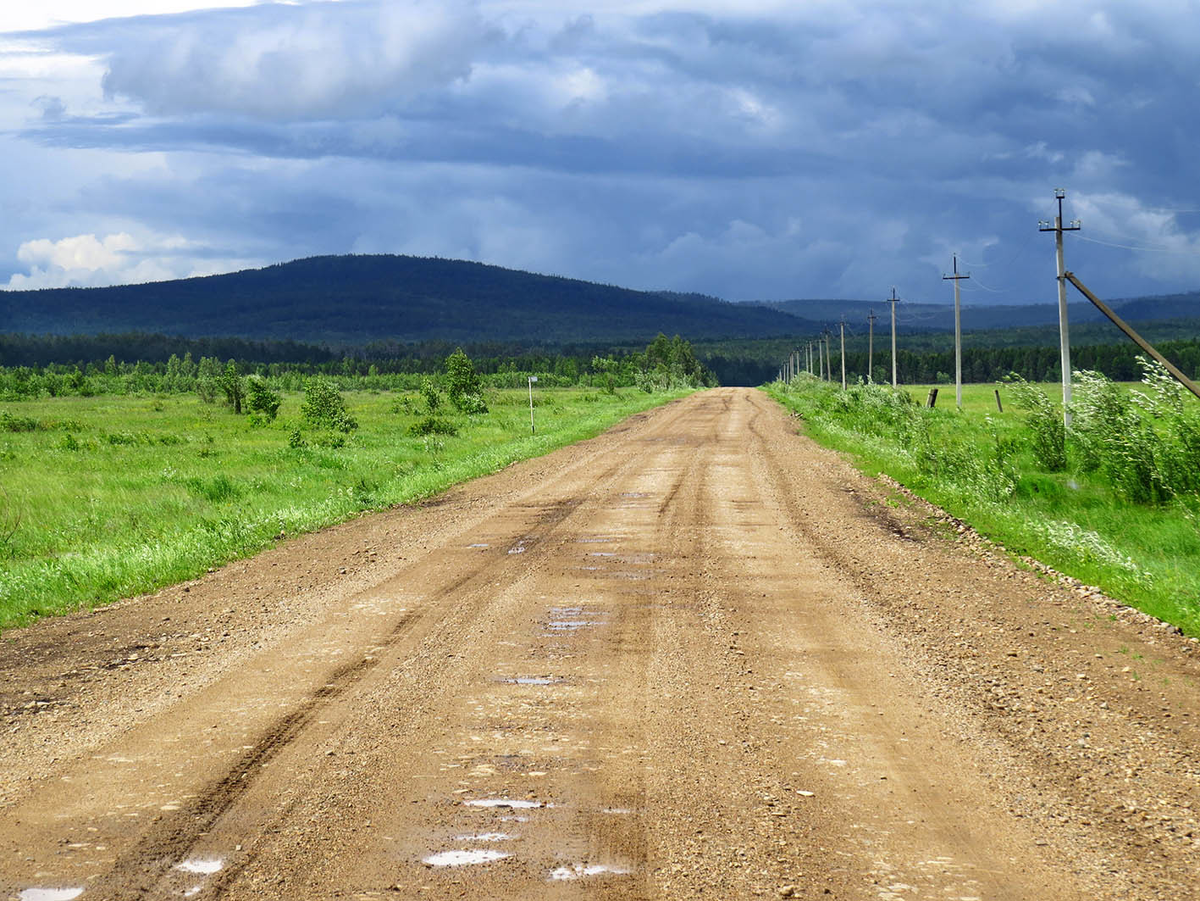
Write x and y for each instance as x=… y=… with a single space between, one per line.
x=532 y=428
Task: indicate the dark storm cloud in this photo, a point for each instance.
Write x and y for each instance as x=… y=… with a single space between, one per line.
x=822 y=150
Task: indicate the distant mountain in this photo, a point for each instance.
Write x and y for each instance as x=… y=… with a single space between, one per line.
x=354 y=299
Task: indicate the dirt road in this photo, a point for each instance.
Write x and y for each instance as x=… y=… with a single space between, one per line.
x=694 y=657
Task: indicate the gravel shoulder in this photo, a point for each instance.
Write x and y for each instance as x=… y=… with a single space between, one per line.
x=697 y=656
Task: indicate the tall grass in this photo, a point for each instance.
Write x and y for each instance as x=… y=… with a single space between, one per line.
x=105 y=497
x=1114 y=501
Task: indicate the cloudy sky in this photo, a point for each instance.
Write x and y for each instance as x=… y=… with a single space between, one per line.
x=764 y=149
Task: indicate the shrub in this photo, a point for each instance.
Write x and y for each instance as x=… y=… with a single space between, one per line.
x=429 y=393
x=1048 y=435
x=261 y=399
x=324 y=407
x=431 y=425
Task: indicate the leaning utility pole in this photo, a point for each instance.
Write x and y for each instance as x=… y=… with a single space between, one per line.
x=956 y=278
x=1064 y=341
x=870 y=345
x=893 y=300
x=843 y=353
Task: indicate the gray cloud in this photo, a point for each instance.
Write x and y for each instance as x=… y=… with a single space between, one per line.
x=830 y=149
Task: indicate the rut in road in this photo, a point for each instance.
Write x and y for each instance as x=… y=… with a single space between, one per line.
x=696 y=657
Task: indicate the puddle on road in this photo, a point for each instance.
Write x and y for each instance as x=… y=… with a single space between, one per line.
x=532 y=680
x=582 y=871
x=485 y=837
x=601 y=554
x=504 y=802
x=50 y=894
x=204 y=866
x=595 y=540
x=634 y=494
x=479 y=544
x=463 y=858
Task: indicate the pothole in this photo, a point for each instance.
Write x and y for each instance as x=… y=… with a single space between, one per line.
x=463 y=858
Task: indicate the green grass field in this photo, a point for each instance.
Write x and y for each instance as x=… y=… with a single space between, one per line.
x=979 y=465
x=106 y=497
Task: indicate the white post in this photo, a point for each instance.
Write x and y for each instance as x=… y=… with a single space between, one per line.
x=532 y=428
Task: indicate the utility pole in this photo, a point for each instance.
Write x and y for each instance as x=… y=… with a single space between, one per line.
x=870 y=345
x=843 y=353
x=1064 y=341
x=820 y=360
x=956 y=278
x=893 y=300
x=828 y=359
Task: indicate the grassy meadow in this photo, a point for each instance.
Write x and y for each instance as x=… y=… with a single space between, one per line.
x=109 y=496
x=1114 y=502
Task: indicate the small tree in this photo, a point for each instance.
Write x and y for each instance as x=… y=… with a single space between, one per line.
x=233 y=385
x=260 y=398
x=462 y=383
x=324 y=406
x=431 y=395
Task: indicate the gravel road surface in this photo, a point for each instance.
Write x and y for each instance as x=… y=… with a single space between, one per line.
x=695 y=657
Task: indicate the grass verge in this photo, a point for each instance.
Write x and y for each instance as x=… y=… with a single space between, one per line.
x=982 y=466
x=107 y=497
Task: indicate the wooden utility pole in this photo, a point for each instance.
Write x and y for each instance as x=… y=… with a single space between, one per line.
x=1063 y=340
x=956 y=278
x=870 y=345
x=820 y=360
x=893 y=300
x=828 y=358
x=843 y=353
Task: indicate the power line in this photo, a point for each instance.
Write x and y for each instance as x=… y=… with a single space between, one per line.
x=1189 y=253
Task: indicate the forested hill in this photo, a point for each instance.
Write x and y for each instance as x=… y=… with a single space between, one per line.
x=976 y=315
x=362 y=298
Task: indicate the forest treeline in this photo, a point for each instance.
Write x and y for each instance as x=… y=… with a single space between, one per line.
x=664 y=364
x=144 y=362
